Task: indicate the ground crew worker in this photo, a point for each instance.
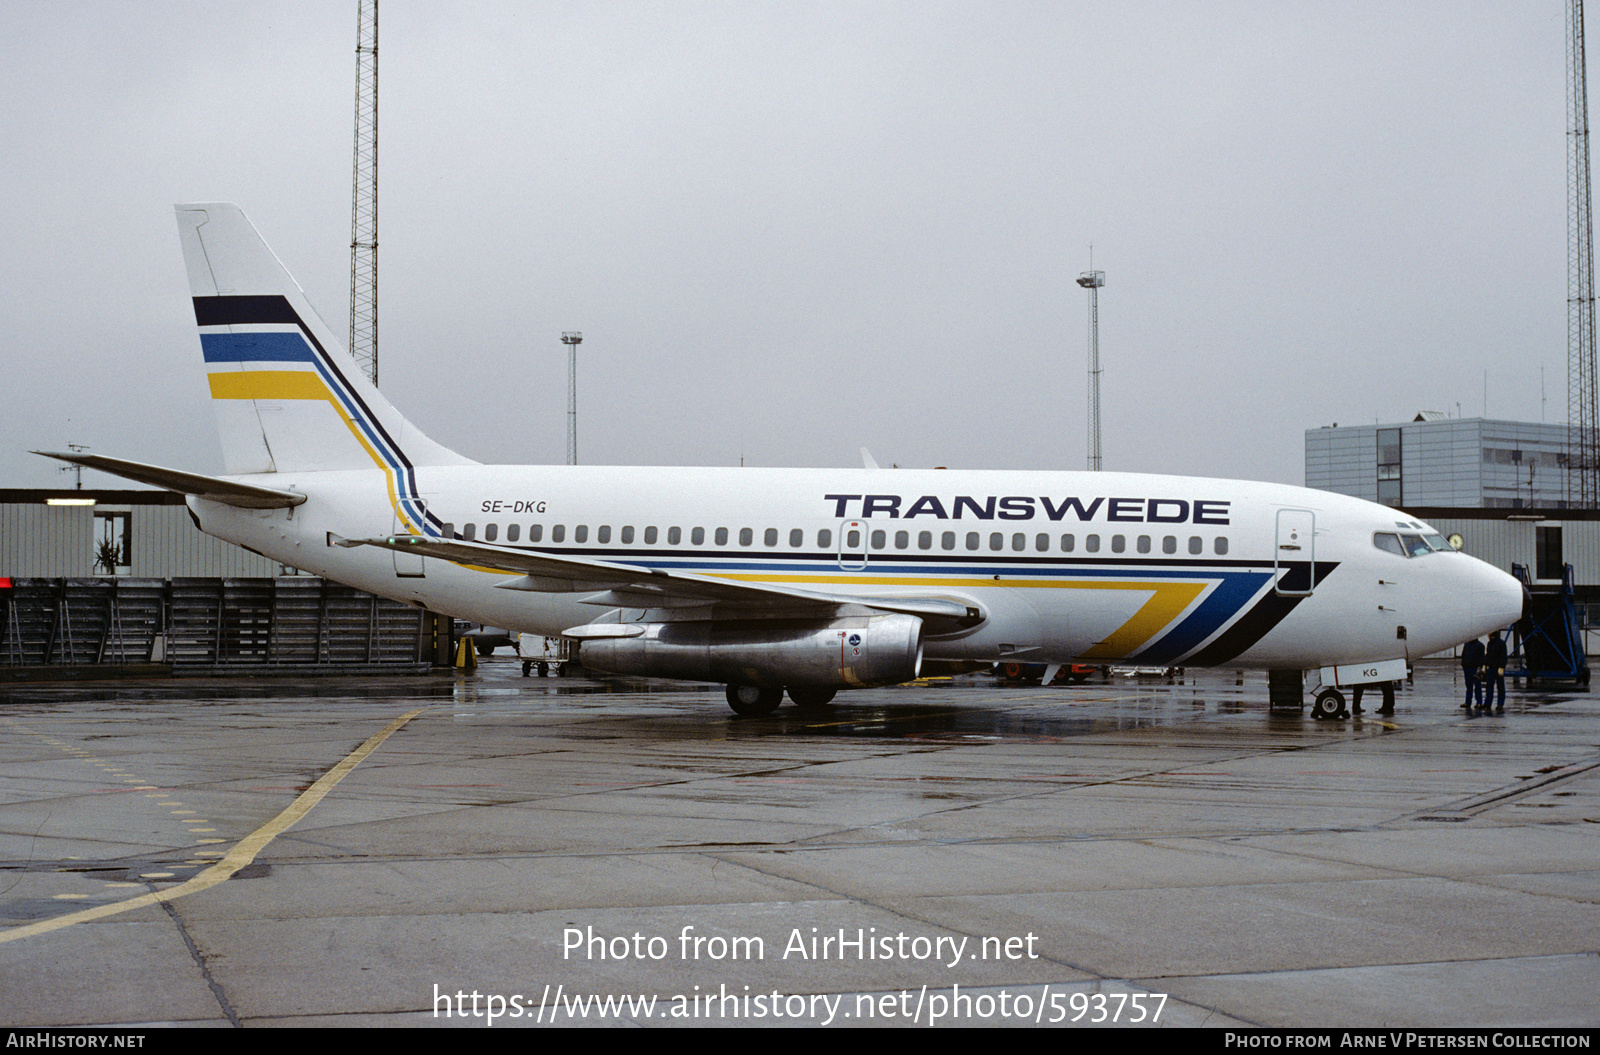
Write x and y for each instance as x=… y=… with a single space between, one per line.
x=1495 y=664
x=1472 y=668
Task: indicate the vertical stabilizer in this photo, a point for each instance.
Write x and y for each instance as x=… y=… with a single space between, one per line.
x=288 y=397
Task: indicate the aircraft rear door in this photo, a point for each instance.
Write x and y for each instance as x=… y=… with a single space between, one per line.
x=1294 y=554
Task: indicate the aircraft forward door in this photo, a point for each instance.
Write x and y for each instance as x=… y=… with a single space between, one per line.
x=408 y=565
x=853 y=545
x=1294 y=557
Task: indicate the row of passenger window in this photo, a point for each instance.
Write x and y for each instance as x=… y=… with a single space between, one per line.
x=997 y=541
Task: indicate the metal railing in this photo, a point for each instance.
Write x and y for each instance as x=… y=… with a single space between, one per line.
x=205 y=625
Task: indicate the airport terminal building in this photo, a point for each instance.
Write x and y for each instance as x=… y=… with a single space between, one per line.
x=1443 y=463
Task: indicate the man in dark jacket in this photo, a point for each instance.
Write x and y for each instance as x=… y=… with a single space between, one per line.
x=1472 y=669
x=1495 y=671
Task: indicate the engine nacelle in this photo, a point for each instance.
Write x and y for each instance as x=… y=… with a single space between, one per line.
x=848 y=652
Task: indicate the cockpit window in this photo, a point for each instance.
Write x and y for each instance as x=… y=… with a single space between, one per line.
x=1415 y=547
x=1409 y=544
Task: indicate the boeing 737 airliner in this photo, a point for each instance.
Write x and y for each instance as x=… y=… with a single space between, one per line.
x=805 y=580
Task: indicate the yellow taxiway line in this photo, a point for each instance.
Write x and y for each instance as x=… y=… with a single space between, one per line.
x=243 y=853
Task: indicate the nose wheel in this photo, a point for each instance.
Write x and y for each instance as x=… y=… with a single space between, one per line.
x=1329 y=704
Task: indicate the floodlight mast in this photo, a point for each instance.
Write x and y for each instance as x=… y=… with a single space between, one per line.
x=572 y=339
x=1092 y=281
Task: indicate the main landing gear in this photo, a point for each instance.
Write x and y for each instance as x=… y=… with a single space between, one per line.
x=811 y=699
x=754 y=700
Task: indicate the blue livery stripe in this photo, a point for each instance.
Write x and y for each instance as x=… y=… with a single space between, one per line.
x=1227 y=600
x=255 y=348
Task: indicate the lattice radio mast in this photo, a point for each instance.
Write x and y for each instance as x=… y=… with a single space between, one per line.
x=1583 y=457
x=364 y=199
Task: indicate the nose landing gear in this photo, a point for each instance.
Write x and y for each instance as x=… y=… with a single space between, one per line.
x=1329 y=704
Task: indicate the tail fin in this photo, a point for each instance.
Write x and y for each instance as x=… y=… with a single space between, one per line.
x=288 y=397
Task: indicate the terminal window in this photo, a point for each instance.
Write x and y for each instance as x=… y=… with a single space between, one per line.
x=1389 y=492
x=113 y=542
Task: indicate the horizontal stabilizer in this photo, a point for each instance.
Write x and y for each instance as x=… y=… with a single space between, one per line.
x=228 y=492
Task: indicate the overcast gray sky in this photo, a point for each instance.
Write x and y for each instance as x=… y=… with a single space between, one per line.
x=788 y=230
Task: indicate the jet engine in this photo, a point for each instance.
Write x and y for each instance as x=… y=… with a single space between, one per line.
x=841 y=653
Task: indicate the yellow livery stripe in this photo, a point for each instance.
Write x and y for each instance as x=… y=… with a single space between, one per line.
x=268 y=384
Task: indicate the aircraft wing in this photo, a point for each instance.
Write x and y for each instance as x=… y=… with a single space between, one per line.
x=633 y=586
x=229 y=492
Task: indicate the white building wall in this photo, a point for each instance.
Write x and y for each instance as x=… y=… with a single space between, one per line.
x=166 y=544
x=44 y=541
x=1497 y=542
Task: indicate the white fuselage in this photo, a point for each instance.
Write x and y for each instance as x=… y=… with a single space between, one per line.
x=1098 y=567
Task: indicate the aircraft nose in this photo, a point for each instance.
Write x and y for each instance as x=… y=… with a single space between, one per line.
x=1498 y=600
